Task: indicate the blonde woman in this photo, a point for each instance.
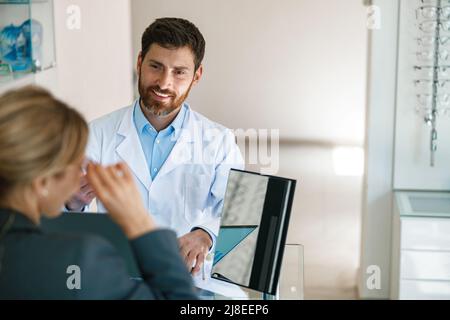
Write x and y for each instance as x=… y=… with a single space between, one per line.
x=42 y=143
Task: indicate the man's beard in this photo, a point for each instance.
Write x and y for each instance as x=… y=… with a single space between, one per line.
x=158 y=108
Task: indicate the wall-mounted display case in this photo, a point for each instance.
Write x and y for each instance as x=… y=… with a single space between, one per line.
x=27 y=41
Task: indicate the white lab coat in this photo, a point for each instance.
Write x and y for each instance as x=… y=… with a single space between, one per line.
x=188 y=190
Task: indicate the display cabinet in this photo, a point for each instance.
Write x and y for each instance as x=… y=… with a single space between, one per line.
x=27 y=43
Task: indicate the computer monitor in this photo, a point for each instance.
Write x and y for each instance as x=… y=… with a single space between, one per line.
x=258 y=206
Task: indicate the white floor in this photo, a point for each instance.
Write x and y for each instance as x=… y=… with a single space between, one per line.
x=325 y=220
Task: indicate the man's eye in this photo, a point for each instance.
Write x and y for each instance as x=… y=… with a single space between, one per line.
x=154 y=66
x=180 y=73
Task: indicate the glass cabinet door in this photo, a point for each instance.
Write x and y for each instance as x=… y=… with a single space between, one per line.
x=26 y=38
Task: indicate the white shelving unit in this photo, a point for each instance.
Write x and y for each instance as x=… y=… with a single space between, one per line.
x=421 y=246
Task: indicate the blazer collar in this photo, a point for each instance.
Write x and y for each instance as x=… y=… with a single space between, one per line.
x=20 y=221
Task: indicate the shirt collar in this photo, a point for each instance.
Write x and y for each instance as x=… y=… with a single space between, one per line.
x=142 y=122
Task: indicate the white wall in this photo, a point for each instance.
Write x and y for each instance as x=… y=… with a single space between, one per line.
x=94 y=64
x=377 y=193
x=295 y=65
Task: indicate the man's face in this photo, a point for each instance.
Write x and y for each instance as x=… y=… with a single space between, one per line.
x=165 y=78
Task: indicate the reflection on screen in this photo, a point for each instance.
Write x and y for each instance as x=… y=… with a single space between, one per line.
x=243 y=208
x=230 y=237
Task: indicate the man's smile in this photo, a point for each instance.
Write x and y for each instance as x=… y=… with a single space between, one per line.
x=159 y=95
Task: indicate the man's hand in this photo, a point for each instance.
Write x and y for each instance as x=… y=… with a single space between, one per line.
x=194 y=246
x=82 y=197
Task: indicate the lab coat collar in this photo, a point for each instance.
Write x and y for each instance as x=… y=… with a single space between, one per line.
x=130 y=149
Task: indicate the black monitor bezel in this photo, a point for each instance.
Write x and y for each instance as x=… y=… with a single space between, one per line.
x=256 y=283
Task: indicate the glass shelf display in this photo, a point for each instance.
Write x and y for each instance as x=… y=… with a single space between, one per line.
x=27 y=41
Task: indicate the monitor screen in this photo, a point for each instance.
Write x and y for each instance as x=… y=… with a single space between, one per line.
x=230 y=237
x=253 y=230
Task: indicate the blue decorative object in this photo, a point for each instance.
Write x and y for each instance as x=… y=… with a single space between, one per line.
x=8 y=37
x=21 y=45
x=32 y=30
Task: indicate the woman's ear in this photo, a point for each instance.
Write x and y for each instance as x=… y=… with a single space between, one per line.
x=40 y=186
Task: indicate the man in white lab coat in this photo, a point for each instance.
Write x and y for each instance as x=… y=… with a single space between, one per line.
x=179 y=158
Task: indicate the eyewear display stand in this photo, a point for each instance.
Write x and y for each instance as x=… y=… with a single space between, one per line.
x=431 y=70
x=420 y=96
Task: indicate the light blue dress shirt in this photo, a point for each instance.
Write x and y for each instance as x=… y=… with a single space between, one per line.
x=157 y=145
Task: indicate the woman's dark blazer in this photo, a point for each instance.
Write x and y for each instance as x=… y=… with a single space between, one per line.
x=34 y=265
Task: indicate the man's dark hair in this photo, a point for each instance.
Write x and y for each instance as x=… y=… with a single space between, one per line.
x=173 y=33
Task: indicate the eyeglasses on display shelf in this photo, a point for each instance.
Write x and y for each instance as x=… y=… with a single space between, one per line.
x=432 y=71
x=430 y=40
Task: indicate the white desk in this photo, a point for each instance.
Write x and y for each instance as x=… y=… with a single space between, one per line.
x=290 y=284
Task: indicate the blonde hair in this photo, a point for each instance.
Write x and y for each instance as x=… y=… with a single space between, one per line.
x=39 y=135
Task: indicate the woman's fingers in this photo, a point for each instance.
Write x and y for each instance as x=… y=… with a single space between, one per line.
x=127 y=175
x=96 y=182
x=106 y=177
x=115 y=188
x=108 y=180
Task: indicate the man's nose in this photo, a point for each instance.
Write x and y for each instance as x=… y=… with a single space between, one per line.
x=165 y=81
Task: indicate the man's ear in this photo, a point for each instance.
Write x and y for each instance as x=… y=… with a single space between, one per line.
x=139 y=63
x=198 y=74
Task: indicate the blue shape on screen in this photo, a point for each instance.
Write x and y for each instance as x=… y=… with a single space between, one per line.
x=229 y=238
